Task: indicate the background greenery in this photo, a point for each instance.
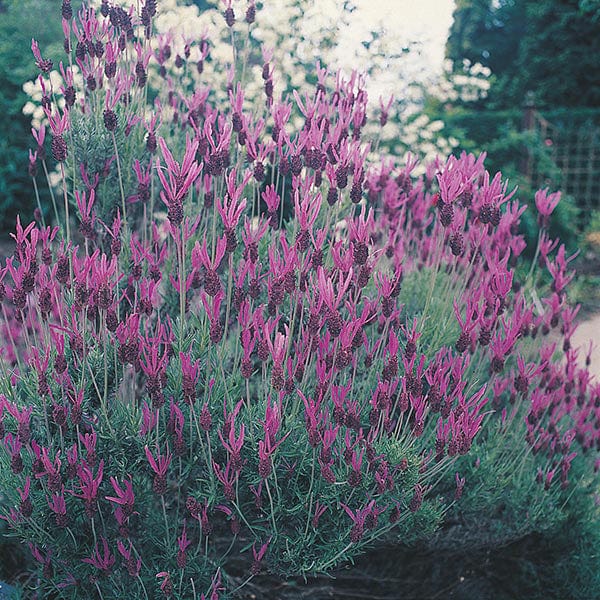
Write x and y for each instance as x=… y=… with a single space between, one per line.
x=20 y=21
x=541 y=53
x=549 y=46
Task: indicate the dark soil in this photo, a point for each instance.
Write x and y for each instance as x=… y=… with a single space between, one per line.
x=388 y=573
x=392 y=573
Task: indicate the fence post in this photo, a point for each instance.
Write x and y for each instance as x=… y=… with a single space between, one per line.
x=528 y=123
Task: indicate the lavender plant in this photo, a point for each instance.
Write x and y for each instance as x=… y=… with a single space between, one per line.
x=250 y=346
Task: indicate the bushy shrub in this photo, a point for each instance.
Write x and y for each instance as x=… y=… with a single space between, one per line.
x=251 y=345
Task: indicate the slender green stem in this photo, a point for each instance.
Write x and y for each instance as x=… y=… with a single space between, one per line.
x=272 y=508
x=120 y=174
x=66 y=201
x=51 y=190
x=143 y=587
x=37 y=200
x=167 y=531
x=99 y=591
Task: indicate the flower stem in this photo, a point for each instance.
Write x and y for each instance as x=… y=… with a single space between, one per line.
x=123 y=207
x=66 y=200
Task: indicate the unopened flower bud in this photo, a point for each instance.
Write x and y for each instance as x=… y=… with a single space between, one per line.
x=110 y=120
x=229 y=17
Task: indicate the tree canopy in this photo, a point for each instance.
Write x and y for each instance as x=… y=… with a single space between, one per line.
x=549 y=47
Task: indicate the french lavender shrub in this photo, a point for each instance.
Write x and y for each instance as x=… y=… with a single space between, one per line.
x=248 y=345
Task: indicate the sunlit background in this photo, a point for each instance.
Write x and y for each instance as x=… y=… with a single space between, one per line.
x=424 y=22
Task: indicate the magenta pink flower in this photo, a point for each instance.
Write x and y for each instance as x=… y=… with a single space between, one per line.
x=85 y=205
x=13 y=447
x=200 y=258
x=272 y=200
x=227 y=477
x=190 y=372
x=318 y=511
x=39 y=135
x=234 y=445
x=546 y=202
x=149 y=419
x=266 y=449
x=358 y=517
x=179 y=178
x=59 y=507
x=44 y=65
x=233 y=204
x=306 y=210
x=160 y=466
x=125 y=496
x=212 y=306
x=183 y=542
x=133 y=566
x=450 y=181
x=103 y=561
x=384 y=109
x=24 y=493
x=258 y=556
x=89 y=486
x=460 y=484
x=166 y=586
x=58 y=123
x=355 y=477
x=22 y=417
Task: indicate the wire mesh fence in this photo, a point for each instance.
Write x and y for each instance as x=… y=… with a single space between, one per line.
x=557 y=148
x=573 y=138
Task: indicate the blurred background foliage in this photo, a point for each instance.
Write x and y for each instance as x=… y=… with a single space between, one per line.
x=551 y=47
x=538 y=119
x=20 y=21
x=542 y=55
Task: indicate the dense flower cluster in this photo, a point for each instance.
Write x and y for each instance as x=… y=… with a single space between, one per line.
x=261 y=337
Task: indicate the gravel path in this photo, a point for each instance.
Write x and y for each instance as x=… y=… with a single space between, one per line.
x=586 y=331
